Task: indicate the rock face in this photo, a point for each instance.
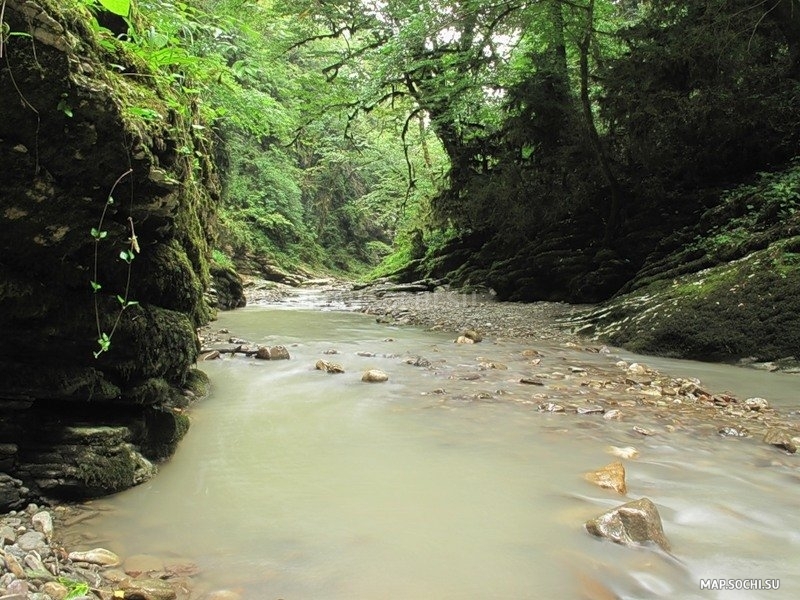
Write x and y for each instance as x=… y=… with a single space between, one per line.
x=631 y=524
x=72 y=424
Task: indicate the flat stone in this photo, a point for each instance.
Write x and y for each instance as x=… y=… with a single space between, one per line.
x=31 y=540
x=610 y=477
x=137 y=564
x=149 y=589
x=632 y=524
x=97 y=556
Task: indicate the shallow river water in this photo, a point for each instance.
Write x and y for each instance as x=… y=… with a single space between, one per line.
x=297 y=484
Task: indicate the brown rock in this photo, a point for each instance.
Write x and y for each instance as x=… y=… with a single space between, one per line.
x=780 y=438
x=610 y=477
x=142 y=563
x=473 y=335
x=632 y=524
x=149 y=589
x=329 y=367
x=273 y=353
x=55 y=590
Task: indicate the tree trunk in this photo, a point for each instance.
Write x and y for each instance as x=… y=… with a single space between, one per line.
x=584 y=46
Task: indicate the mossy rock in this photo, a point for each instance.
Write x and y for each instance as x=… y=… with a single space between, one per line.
x=164 y=430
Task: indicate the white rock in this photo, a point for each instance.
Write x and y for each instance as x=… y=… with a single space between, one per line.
x=374 y=376
x=97 y=556
x=624 y=452
x=43 y=523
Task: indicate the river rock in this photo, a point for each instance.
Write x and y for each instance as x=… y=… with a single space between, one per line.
x=780 y=438
x=473 y=335
x=137 y=564
x=31 y=540
x=223 y=595
x=97 y=556
x=12 y=564
x=756 y=404
x=374 y=376
x=273 y=353
x=329 y=367
x=149 y=589
x=613 y=414
x=55 y=590
x=610 y=477
x=624 y=452
x=631 y=524
x=462 y=339
x=43 y=523
x=551 y=407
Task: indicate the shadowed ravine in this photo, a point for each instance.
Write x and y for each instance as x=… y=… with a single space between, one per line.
x=293 y=483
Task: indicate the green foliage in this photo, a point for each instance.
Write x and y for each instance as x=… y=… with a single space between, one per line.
x=127 y=256
x=75 y=589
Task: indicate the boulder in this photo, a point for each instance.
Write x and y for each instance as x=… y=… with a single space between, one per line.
x=374 y=376
x=635 y=523
x=611 y=477
x=329 y=367
x=781 y=438
x=273 y=353
x=473 y=335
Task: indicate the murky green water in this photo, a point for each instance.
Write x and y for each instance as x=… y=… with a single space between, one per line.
x=297 y=484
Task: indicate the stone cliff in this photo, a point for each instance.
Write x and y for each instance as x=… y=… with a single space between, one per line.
x=76 y=115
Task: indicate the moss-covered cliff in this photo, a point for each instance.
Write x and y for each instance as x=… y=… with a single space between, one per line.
x=726 y=288
x=76 y=114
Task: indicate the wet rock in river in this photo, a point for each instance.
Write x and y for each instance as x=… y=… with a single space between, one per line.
x=632 y=524
x=374 y=376
x=419 y=361
x=329 y=367
x=149 y=589
x=624 y=452
x=611 y=477
x=781 y=438
x=756 y=404
x=733 y=432
x=613 y=414
x=551 y=407
x=462 y=339
x=273 y=353
x=591 y=410
x=473 y=335
x=97 y=556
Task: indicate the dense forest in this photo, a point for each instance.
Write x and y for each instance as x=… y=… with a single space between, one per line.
x=545 y=148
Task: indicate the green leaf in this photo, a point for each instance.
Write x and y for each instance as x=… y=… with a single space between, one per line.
x=64 y=107
x=121 y=300
x=118 y=7
x=95 y=286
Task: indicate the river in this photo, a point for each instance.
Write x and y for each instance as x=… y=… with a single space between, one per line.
x=297 y=484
